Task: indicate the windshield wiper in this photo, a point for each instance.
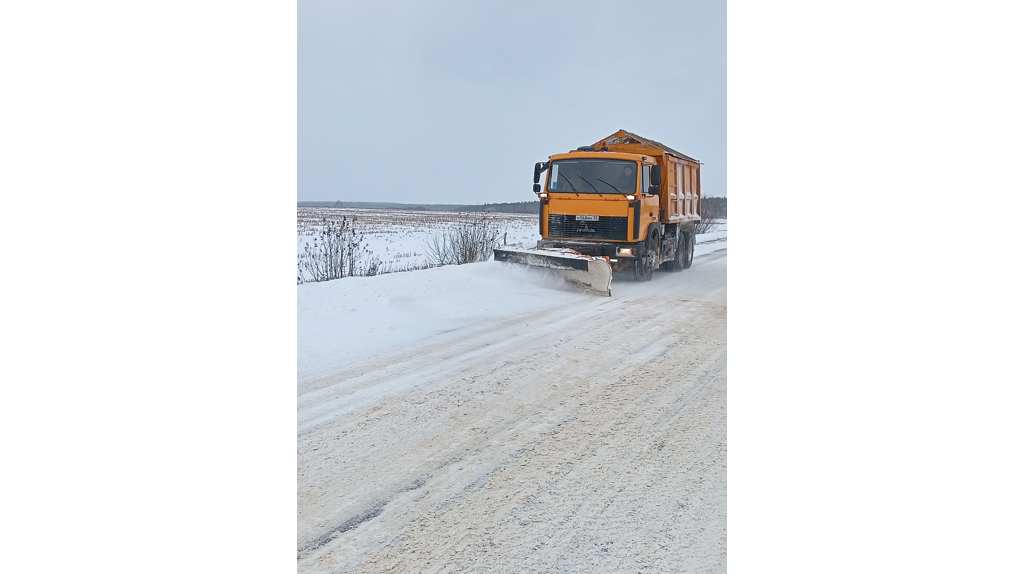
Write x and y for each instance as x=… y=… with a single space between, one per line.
x=591 y=185
x=608 y=184
x=571 y=185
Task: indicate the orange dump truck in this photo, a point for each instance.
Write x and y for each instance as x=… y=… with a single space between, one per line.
x=625 y=203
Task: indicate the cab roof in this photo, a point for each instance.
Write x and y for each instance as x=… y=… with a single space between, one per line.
x=603 y=155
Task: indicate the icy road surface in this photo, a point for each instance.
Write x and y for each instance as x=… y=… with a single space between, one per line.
x=587 y=435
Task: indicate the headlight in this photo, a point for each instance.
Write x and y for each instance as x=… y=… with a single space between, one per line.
x=626 y=251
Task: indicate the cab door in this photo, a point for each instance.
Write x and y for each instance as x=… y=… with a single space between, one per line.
x=647 y=206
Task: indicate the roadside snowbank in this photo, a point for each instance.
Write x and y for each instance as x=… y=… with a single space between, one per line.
x=357 y=317
x=348 y=320
x=709 y=242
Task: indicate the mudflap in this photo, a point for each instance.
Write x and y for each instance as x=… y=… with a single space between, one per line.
x=592 y=274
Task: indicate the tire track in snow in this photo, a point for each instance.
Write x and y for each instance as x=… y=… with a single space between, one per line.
x=539 y=447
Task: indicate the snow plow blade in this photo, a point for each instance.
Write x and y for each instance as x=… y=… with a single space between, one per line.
x=593 y=274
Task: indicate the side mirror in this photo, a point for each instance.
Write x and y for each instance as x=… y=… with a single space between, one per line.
x=537 y=169
x=654 y=190
x=536 y=188
x=656 y=175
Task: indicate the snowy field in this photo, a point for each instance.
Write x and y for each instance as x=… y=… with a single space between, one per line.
x=399 y=238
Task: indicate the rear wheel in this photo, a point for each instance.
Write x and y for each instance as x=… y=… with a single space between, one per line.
x=677 y=262
x=647 y=259
x=690 y=241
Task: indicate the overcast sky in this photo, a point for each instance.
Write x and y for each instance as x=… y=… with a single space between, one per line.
x=452 y=101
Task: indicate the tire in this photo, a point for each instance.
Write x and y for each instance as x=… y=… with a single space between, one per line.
x=677 y=262
x=647 y=259
x=691 y=241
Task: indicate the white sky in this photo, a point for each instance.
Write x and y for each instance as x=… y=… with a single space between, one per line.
x=453 y=101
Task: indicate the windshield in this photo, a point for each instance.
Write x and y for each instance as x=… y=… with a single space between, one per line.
x=598 y=176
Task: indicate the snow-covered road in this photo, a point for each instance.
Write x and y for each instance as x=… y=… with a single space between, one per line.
x=582 y=434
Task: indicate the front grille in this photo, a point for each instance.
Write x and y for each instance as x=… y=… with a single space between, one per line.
x=606 y=227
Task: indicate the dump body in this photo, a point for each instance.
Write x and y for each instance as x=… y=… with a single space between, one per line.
x=679 y=197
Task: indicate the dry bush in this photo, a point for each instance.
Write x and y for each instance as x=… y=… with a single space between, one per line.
x=468 y=240
x=712 y=211
x=335 y=252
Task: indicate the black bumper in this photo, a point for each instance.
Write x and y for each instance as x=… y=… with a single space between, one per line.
x=596 y=248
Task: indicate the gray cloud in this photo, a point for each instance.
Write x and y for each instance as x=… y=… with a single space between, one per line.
x=453 y=101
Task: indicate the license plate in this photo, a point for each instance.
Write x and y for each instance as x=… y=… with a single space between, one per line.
x=587 y=218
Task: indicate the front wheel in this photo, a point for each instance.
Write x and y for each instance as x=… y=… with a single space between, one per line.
x=647 y=259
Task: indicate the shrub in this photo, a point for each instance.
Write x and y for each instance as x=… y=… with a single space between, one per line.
x=712 y=210
x=335 y=252
x=468 y=240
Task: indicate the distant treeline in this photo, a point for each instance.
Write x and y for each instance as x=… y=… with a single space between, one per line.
x=715 y=205
x=518 y=207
